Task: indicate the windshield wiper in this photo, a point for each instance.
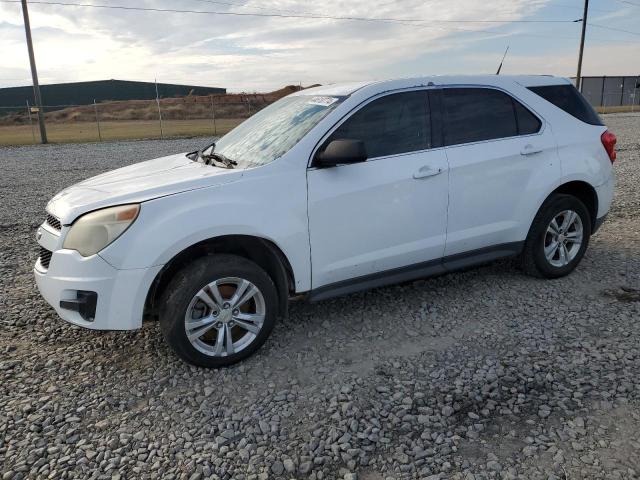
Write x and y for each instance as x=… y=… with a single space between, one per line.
x=220 y=158
x=208 y=159
x=198 y=155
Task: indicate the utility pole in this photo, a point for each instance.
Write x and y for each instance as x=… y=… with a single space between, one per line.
x=584 y=30
x=34 y=73
x=159 y=112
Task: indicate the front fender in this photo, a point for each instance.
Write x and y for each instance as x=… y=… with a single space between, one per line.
x=274 y=210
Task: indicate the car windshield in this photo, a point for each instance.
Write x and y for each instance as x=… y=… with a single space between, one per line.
x=274 y=130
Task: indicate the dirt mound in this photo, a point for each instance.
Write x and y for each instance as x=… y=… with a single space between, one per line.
x=191 y=107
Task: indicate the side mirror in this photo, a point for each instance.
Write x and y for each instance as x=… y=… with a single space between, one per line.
x=341 y=152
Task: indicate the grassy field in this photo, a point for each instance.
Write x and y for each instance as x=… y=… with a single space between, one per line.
x=76 y=132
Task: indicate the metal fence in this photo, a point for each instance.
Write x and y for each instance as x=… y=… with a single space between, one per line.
x=210 y=115
x=612 y=93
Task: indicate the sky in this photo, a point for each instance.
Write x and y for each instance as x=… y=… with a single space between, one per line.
x=262 y=53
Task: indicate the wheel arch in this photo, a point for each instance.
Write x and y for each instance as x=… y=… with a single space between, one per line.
x=584 y=192
x=261 y=251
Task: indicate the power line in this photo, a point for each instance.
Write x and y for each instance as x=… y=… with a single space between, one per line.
x=419 y=23
x=626 y=2
x=280 y=15
x=613 y=28
x=492 y=32
x=498 y=32
x=414 y=22
x=578 y=7
x=255 y=7
x=318 y=15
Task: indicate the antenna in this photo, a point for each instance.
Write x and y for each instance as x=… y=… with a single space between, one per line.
x=501 y=61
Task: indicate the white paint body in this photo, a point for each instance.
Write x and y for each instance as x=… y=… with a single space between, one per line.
x=332 y=224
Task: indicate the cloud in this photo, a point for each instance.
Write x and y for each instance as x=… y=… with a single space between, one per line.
x=256 y=53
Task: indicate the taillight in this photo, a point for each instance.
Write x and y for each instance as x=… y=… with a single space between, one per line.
x=609 y=143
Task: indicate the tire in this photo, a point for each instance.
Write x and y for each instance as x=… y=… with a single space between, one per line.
x=544 y=236
x=190 y=304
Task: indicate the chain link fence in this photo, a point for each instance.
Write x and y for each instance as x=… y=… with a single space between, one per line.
x=211 y=115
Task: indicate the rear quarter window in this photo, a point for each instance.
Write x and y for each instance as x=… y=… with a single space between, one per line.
x=528 y=123
x=567 y=98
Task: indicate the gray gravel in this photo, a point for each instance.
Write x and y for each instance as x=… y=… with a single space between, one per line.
x=476 y=375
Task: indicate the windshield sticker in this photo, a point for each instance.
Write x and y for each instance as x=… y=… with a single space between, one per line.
x=322 y=101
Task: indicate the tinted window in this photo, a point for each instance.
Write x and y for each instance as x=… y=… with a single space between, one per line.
x=390 y=125
x=528 y=123
x=475 y=114
x=570 y=100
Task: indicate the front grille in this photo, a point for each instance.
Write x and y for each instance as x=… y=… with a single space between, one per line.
x=45 y=257
x=54 y=222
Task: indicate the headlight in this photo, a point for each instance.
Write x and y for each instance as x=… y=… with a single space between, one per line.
x=94 y=231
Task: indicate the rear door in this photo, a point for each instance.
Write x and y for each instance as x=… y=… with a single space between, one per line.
x=388 y=212
x=501 y=157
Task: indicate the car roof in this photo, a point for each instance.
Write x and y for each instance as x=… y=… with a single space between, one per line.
x=345 y=89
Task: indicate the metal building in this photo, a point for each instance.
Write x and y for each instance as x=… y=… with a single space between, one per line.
x=611 y=91
x=82 y=93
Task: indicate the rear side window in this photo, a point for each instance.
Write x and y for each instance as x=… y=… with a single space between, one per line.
x=476 y=114
x=394 y=124
x=567 y=98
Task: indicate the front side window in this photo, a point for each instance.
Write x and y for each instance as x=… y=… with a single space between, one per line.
x=274 y=130
x=391 y=125
x=477 y=114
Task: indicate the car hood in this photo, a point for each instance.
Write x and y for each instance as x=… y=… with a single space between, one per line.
x=138 y=183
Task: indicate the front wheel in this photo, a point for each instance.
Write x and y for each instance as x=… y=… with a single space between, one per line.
x=558 y=237
x=218 y=310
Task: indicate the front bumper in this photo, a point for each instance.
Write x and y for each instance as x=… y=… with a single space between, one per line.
x=121 y=294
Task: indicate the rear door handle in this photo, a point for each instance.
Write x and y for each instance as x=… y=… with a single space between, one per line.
x=427 y=171
x=529 y=149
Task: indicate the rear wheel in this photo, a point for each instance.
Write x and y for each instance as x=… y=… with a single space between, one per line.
x=218 y=310
x=558 y=237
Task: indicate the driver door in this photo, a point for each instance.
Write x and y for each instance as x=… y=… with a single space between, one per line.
x=371 y=218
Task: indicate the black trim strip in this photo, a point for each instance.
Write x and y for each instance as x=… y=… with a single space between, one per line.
x=419 y=270
x=85 y=304
x=482 y=255
x=435 y=109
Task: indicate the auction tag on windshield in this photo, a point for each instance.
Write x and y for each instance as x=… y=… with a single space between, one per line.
x=322 y=101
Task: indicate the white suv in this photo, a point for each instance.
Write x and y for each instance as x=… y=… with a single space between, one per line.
x=325 y=192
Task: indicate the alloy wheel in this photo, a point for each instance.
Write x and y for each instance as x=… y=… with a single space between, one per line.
x=563 y=238
x=225 y=316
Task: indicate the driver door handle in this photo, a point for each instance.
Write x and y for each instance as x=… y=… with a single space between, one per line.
x=427 y=171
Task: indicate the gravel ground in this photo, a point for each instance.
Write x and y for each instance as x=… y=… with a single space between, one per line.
x=476 y=375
